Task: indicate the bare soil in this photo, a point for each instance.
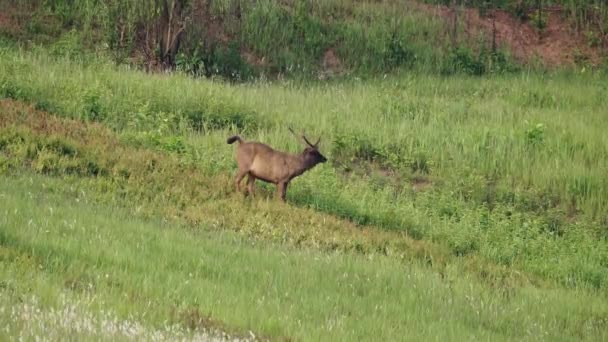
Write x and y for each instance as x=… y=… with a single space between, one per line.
x=558 y=44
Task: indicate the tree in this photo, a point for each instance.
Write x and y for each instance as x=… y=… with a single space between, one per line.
x=171 y=27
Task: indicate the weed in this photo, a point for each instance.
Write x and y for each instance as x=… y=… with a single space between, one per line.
x=535 y=134
x=462 y=60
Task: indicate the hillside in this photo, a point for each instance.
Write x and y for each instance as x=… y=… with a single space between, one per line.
x=240 y=40
x=464 y=196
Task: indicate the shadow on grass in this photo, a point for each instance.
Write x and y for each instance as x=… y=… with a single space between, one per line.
x=334 y=205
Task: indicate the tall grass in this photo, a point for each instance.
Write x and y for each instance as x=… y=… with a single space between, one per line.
x=74 y=269
x=508 y=168
x=241 y=39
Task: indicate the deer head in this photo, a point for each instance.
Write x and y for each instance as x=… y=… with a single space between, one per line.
x=311 y=153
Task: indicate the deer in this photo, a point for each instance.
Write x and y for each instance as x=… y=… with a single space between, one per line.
x=257 y=160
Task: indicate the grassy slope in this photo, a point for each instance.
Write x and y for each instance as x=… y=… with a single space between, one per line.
x=55 y=244
x=499 y=180
x=288 y=38
x=494 y=182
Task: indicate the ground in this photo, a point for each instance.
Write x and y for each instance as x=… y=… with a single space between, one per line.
x=558 y=44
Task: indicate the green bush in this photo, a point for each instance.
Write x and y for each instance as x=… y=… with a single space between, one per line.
x=228 y=62
x=462 y=60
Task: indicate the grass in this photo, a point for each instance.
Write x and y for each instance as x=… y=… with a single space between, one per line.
x=510 y=169
x=452 y=207
x=246 y=40
x=61 y=254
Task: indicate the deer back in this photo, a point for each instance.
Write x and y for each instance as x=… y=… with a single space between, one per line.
x=266 y=163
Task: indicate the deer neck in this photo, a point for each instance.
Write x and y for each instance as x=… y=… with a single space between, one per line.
x=300 y=165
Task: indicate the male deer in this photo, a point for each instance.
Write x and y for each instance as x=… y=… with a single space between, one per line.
x=260 y=161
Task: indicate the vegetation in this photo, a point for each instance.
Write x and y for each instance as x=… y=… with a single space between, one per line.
x=585 y=13
x=73 y=268
x=450 y=203
x=241 y=40
x=432 y=161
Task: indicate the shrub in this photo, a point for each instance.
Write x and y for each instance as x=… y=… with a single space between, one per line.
x=192 y=63
x=227 y=62
x=462 y=60
x=398 y=53
x=535 y=134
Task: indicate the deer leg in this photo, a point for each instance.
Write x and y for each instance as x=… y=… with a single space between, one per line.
x=250 y=184
x=282 y=190
x=239 y=177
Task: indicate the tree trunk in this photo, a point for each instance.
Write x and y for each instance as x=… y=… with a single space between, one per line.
x=493 y=33
x=454 y=28
x=171 y=28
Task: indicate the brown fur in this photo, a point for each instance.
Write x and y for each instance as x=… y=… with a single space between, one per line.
x=260 y=161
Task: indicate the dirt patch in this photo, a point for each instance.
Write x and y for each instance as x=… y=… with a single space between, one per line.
x=5 y=21
x=558 y=44
x=215 y=31
x=253 y=59
x=331 y=63
x=39 y=122
x=9 y=23
x=420 y=184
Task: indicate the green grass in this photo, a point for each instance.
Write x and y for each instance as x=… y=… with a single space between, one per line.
x=243 y=40
x=452 y=207
x=60 y=252
x=510 y=169
x=437 y=218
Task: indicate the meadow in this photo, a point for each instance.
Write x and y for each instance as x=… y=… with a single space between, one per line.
x=72 y=268
x=452 y=207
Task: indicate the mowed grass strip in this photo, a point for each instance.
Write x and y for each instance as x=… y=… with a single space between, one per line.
x=61 y=248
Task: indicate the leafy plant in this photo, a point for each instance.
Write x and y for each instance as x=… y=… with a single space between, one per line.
x=192 y=63
x=398 y=53
x=228 y=62
x=535 y=134
x=538 y=19
x=463 y=60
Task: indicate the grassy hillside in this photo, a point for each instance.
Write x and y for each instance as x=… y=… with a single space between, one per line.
x=509 y=169
x=240 y=40
x=452 y=207
x=71 y=268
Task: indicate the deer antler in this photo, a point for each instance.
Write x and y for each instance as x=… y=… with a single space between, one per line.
x=292 y=132
x=308 y=142
x=304 y=138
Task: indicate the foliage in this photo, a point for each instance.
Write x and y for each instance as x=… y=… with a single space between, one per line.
x=214 y=38
x=455 y=155
x=584 y=13
x=228 y=62
x=535 y=135
x=238 y=40
x=464 y=60
x=538 y=19
x=82 y=270
x=192 y=63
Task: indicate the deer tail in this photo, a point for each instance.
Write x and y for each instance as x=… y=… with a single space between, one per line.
x=234 y=138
